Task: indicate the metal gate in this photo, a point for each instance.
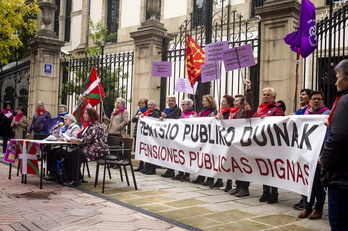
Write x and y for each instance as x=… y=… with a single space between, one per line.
x=115 y=72
x=332 y=48
x=215 y=22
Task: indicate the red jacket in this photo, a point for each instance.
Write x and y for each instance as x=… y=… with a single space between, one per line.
x=273 y=109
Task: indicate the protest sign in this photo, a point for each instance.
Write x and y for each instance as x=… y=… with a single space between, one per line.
x=278 y=151
x=162 y=69
x=213 y=51
x=183 y=85
x=210 y=72
x=238 y=57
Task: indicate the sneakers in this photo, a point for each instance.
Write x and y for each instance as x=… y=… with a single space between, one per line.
x=299 y=205
x=235 y=191
x=243 y=193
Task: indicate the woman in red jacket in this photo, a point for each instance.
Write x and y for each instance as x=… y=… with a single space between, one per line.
x=269 y=107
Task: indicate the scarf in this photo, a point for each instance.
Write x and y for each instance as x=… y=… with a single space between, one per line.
x=167 y=110
x=205 y=112
x=148 y=112
x=315 y=111
x=261 y=110
x=84 y=126
x=40 y=112
x=142 y=110
x=63 y=114
x=233 y=112
x=8 y=113
x=224 y=110
x=18 y=118
x=333 y=109
x=119 y=110
x=302 y=110
x=188 y=114
x=63 y=129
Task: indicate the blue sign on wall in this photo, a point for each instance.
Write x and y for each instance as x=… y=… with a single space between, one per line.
x=47 y=69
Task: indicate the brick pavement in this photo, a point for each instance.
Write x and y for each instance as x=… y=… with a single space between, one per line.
x=56 y=207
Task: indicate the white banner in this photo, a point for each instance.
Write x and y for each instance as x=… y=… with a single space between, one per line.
x=278 y=151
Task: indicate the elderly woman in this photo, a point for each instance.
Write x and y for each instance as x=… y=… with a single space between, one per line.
x=38 y=125
x=209 y=109
x=142 y=103
x=269 y=108
x=93 y=144
x=70 y=129
x=223 y=113
x=187 y=112
x=6 y=117
x=152 y=111
x=19 y=123
x=119 y=118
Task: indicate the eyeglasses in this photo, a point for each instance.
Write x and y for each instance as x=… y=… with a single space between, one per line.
x=314 y=99
x=183 y=104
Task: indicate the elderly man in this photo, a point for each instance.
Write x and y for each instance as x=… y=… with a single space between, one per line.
x=171 y=112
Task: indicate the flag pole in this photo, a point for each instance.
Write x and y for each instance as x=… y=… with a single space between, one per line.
x=296 y=78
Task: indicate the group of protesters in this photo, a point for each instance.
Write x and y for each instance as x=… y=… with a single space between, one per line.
x=331 y=171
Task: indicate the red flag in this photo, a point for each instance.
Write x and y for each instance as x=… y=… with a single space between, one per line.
x=92 y=96
x=194 y=59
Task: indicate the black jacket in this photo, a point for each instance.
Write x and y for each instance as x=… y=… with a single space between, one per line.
x=175 y=113
x=334 y=157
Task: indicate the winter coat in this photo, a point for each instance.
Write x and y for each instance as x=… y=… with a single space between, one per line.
x=21 y=129
x=38 y=122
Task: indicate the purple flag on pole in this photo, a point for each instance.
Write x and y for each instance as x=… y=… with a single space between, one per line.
x=305 y=38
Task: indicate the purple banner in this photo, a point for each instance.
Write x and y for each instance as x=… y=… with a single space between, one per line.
x=238 y=57
x=162 y=69
x=210 y=72
x=10 y=155
x=213 y=51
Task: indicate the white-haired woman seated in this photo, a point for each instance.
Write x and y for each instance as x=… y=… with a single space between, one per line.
x=70 y=129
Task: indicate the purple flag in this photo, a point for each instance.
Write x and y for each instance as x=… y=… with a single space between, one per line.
x=305 y=38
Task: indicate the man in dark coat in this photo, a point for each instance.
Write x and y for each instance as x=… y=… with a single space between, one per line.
x=171 y=112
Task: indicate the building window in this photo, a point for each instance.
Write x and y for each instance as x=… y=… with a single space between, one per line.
x=254 y=4
x=67 y=20
x=113 y=17
x=56 y=17
x=158 y=15
x=198 y=14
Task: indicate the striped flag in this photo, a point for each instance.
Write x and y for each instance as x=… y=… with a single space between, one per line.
x=92 y=96
x=194 y=59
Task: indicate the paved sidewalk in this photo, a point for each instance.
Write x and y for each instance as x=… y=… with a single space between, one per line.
x=56 y=207
x=171 y=205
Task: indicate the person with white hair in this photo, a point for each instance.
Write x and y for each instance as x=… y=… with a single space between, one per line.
x=152 y=111
x=38 y=125
x=70 y=129
x=118 y=119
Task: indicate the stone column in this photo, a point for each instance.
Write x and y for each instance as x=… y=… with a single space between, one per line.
x=44 y=64
x=278 y=62
x=147 y=48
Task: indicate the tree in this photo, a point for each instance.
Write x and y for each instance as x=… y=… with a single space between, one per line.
x=109 y=73
x=17 y=26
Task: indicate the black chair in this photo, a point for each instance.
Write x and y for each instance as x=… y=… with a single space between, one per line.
x=126 y=160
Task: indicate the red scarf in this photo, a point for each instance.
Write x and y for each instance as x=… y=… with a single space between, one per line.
x=84 y=126
x=148 y=112
x=261 y=110
x=119 y=110
x=40 y=112
x=333 y=109
x=18 y=118
x=224 y=110
x=233 y=112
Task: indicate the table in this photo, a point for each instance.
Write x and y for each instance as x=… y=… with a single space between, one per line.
x=26 y=145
